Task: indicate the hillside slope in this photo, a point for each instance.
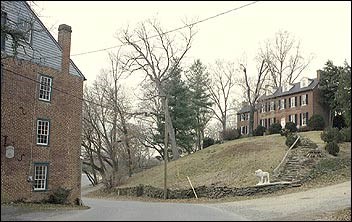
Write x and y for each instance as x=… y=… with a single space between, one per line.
x=229 y=164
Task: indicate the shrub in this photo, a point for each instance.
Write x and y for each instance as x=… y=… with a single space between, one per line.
x=207 y=141
x=291 y=127
x=316 y=122
x=291 y=138
x=259 y=131
x=339 y=122
x=331 y=135
x=59 y=196
x=230 y=134
x=346 y=134
x=284 y=132
x=332 y=148
x=275 y=128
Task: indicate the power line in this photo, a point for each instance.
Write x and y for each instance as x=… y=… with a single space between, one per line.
x=172 y=30
x=71 y=95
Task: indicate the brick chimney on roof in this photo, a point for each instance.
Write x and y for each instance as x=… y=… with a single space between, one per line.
x=318 y=74
x=64 y=40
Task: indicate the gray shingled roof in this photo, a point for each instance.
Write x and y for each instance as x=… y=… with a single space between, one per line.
x=278 y=93
x=295 y=89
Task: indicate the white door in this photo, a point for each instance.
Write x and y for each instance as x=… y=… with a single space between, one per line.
x=283 y=122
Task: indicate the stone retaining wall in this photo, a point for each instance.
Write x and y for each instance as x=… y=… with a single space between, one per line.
x=202 y=191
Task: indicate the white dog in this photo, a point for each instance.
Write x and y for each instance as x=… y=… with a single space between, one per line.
x=263 y=177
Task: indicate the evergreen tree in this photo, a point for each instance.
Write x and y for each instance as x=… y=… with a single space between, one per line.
x=181 y=111
x=344 y=93
x=198 y=79
x=328 y=85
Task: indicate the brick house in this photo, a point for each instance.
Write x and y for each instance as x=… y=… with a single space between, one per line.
x=290 y=103
x=41 y=110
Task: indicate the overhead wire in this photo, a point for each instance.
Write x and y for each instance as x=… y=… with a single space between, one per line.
x=163 y=33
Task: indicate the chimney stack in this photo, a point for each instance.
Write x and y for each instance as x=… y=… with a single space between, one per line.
x=318 y=74
x=64 y=40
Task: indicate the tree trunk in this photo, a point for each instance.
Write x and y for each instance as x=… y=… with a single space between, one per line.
x=251 y=121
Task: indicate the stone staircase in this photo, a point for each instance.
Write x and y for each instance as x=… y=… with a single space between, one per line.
x=299 y=162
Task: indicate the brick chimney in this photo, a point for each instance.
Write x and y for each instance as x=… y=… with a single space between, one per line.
x=318 y=74
x=64 y=40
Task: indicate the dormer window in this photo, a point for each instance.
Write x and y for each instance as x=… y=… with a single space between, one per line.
x=304 y=82
x=286 y=87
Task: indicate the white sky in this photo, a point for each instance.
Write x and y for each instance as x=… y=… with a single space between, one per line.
x=324 y=28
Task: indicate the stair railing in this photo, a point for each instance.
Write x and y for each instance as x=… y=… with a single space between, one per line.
x=274 y=171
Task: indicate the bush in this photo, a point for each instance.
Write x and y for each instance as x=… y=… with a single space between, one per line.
x=259 y=131
x=339 y=122
x=316 y=122
x=331 y=135
x=230 y=134
x=332 y=148
x=59 y=196
x=284 y=132
x=291 y=127
x=346 y=134
x=291 y=138
x=275 y=128
x=207 y=141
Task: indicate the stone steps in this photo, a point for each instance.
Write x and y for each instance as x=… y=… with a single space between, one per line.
x=299 y=162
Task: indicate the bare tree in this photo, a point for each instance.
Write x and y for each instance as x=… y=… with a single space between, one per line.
x=156 y=54
x=252 y=86
x=109 y=138
x=284 y=57
x=222 y=83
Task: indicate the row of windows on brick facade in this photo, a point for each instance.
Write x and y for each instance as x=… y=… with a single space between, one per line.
x=282 y=103
x=303 y=121
x=292 y=102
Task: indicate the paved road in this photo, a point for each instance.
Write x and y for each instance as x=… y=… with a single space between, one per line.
x=295 y=206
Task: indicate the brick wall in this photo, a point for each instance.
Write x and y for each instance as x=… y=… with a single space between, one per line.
x=20 y=108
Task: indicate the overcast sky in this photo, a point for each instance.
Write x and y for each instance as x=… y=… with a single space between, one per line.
x=324 y=28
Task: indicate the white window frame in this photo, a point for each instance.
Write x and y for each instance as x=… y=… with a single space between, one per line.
x=263 y=108
x=293 y=102
x=282 y=104
x=242 y=117
x=43 y=132
x=293 y=118
x=45 y=88
x=272 y=105
x=304 y=100
x=40 y=177
x=304 y=119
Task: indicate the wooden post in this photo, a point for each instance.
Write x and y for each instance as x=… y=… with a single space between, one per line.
x=192 y=187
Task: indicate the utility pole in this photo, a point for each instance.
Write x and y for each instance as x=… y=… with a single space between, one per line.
x=166 y=109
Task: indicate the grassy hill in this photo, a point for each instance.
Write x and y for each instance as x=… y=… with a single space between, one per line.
x=229 y=164
x=232 y=164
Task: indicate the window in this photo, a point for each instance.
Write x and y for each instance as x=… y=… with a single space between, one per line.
x=3 y=35
x=272 y=106
x=304 y=100
x=25 y=27
x=42 y=132
x=263 y=108
x=292 y=102
x=45 y=88
x=40 y=176
x=282 y=104
x=304 y=119
x=292 y=118
x=244 y=130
